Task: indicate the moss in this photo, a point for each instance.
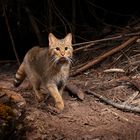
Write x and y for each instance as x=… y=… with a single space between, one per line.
x=11 y=125
x=6 y=113
x=7 y=121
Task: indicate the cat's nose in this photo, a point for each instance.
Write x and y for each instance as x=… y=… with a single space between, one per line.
x=62 y=53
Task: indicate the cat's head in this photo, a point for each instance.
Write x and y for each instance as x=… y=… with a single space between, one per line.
x=61 y=50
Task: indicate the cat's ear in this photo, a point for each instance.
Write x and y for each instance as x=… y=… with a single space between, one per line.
x=52 y=39
x=68 y=38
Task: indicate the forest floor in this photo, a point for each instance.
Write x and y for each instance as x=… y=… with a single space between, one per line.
x=90 y=119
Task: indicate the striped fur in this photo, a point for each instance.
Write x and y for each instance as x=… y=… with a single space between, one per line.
x=19 y=76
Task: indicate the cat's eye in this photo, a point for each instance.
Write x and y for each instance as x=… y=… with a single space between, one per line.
x=66 y=48
x=57 y=48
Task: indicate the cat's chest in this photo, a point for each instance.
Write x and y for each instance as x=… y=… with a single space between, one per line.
x=61 y=76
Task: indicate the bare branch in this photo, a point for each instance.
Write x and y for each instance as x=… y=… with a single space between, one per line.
x=114 y=104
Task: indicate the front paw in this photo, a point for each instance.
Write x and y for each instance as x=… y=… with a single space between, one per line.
x=54 y=110
x=59 y=105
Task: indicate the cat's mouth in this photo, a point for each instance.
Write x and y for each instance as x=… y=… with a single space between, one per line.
x=63 y=60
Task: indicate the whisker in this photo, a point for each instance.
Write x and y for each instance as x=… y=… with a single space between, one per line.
x=52 y=59
x=70 y=60
x=53 y=62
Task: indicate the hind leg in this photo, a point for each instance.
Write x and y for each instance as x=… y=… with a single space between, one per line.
x=35 y=81
x=36 y=87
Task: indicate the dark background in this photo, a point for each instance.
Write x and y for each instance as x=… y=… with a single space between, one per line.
x=86 y=19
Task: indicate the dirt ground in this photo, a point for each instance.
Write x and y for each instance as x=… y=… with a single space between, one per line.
x=90 y=119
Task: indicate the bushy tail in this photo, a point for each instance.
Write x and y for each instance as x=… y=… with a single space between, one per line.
x=19 y=76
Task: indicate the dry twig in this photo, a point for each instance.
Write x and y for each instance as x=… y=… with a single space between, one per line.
x=137 y=101
x=136 y=83
x=109 y=110
x=114 y=70
x=131 y=98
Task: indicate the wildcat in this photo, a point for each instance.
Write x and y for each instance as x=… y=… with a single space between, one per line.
x=48 y=67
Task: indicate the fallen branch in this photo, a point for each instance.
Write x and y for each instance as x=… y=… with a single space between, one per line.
x=75 y=91
x=114 y=104
x=101 y=57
